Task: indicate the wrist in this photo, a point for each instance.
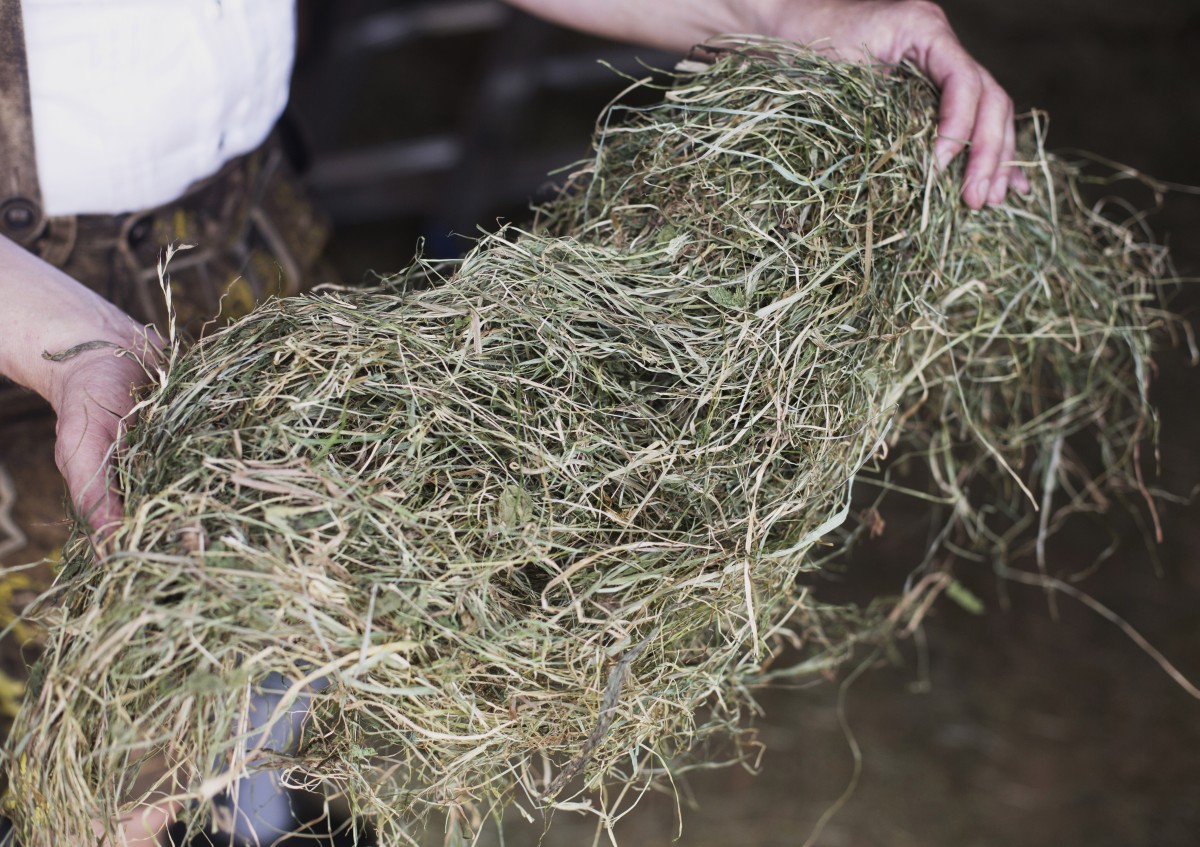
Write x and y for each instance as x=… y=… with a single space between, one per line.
x=66 y=370
x=802 y=21
x=47 y=312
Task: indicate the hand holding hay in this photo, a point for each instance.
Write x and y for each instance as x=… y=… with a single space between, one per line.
x=546 y=515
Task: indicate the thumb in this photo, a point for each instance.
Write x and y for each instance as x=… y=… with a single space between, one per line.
x=87 y=435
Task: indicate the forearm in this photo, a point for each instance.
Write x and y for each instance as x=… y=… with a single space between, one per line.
x=845 y=26
x=44 y=310
x=666 y=24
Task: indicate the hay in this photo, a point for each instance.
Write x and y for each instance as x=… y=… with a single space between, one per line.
x=534 y=529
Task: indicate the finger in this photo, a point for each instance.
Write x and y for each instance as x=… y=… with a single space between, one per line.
x=961 y=81
x=1020 y=181
x=144 y=826
x=961 y=90
x=999 y=187
x=1007 y=170
x=83 y=450
x=104 y=515
x=1003 y=176
x=987 y=143
x=109 y=512
x=96 y=498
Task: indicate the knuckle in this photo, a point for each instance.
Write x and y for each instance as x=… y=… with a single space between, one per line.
x=926 y=9
x=996 y=97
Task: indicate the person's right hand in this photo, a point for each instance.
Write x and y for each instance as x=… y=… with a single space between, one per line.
x=89 y=385
x=93 y=394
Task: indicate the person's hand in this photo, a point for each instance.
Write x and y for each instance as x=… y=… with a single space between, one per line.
x=974 y=108
x=93 y=394
x=89 y=385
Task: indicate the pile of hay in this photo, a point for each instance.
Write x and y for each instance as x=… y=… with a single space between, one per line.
x=534 y=529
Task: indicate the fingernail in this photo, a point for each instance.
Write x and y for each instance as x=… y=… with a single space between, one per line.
x=981 y=190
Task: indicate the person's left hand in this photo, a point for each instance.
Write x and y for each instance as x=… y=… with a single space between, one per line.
x=83 y=355
x=974 y=108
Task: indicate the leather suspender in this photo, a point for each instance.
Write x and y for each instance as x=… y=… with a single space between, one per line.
x=21 y=217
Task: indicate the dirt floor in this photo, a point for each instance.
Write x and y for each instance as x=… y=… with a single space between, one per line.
x=1020 y=727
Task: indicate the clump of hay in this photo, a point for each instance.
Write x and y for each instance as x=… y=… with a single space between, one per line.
x=534 y=528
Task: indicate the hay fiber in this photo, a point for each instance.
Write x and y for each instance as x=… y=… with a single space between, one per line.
x=527 y=528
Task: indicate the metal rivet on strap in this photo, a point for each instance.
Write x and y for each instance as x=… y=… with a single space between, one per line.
x=138 y=230
x=19 y=214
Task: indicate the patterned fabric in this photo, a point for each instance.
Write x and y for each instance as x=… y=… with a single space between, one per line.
x=12 y=538
x=255 y=235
